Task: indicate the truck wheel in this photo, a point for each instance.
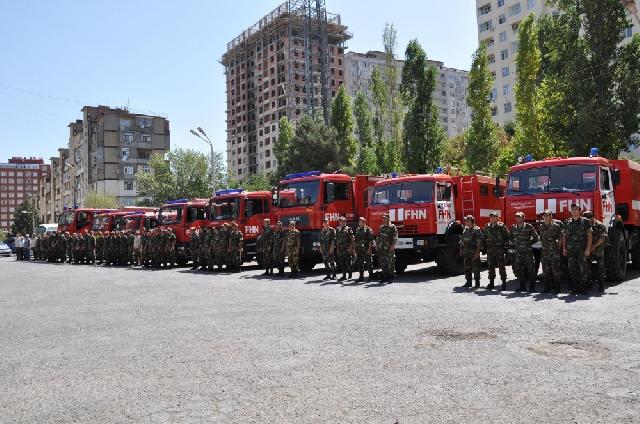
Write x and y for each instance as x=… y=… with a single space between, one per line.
x=181 y=260
x=307 y=265
x=449 y=259
x=401 y=266
x=616 y=258
x=635 y=257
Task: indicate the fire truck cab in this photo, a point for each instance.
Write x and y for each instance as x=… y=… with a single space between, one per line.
x=79 y=220
x=610 y=188
x=180 y=215
x=116 y=220
x=308 y=197
x=137 y=221
x=428 y=211
x=247 y=208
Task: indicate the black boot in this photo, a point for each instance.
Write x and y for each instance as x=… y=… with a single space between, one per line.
x=601 y=286
x=327 y=277
x=491 y=286
x=344 y=277
x=504 y=285
x=532 y=287
x=361 y=277
x=467 y=284
x=522 y=287
x=477 y=284
x=350 y=275
x=547 y=287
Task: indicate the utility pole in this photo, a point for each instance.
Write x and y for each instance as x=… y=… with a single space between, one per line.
x=203 y=136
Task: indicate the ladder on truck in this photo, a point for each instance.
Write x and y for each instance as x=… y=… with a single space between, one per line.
x=466 y=197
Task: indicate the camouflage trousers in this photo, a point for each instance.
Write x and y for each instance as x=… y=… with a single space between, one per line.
x=235 y=259
x=219 y=257
x=471 y=267
x=596 y=268
x=551 y=269
x=577 y=267
x=293 y=260
x=387 y=261
x=495 y=259
x=524 y=265
x=329 y=261
x=277 y=259
x=363 y=261
x=90 y=254
x=343 y=261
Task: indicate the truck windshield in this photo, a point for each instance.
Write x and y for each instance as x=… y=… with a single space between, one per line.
x=170 y=215
x=303 y=193
x=100 y=223
x=119 y=223
x=553 y=179
x=224 y=209
x=404 y=192
x=65 y=218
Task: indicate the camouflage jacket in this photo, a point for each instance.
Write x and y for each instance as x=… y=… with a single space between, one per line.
x=471 y=240
x=327 y=239
x=495 y=237
x=599 y=230
x=550 y=236
x=523 y=237
x=364 y=238
x=235 y=240
x=576 y=233
x=344 y=238
x=293 y=238
x=388 y=237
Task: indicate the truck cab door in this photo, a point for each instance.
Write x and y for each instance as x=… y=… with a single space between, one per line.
x=445 y=209
x=607 y=195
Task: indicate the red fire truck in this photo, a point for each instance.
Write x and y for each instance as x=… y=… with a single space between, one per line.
x=138 y=220
x=309 y=197
x=180 y=215
x=428 y=211
x=610 y=188
x=117 y=220
x=247 y=208
x=79 y=220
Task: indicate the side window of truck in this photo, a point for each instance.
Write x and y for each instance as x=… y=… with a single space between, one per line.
x=341 y=191
x=605 y=181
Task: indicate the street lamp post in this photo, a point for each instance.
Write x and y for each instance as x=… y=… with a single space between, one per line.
x=203 y=136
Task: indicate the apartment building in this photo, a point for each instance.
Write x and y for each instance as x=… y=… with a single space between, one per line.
x=498 y=22
x=450 y=95
x=19 y=179
x=290 y=63
x=107 y=148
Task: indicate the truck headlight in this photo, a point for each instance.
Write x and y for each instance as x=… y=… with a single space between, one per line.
x=421 y=242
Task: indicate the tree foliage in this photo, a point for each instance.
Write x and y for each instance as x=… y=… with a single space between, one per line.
x=281 y=150
x=24 y=218
x=185 y=173
x=100 y=201
x=256 y=182
x=453 y=152
x=481 y=139
x=343 y=122
x=362 y=115
x=423 y=135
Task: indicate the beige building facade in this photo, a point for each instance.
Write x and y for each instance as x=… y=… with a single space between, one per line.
x=498 y=22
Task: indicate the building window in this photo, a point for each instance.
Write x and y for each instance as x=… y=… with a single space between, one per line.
x=504 y=54
x=125 y=153
x=627 y=32
x=503 y=36
x=128 y=170
x=128 y=185
x=505 y=71
x=146 y=138
x=515 y=9
x=143 y=154
x=506 y=89
x=485 y=26
x=144 y=122
x=267 y=164
x=531 y=4
x=500 y=3
x=127 y=137
x=507 y=107
x=125 y=124
x=146 y=169
x=502 y=19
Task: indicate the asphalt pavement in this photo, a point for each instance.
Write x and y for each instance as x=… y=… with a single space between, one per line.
x=92 y=344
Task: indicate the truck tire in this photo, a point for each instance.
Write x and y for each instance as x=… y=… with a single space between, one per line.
x=401 y=266
x=181 y=259
x=615 y=258
x=449 y=259
x=635 y=257
x=306 y=265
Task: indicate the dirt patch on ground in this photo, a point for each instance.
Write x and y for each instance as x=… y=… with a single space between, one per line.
x=454 y=336
x=571 y=349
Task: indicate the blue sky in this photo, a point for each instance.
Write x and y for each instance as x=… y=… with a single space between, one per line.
x=162 y=57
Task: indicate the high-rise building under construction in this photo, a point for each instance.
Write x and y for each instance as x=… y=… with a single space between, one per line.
x=289 y=63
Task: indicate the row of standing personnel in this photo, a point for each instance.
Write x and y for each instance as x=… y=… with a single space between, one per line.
x=580 y=239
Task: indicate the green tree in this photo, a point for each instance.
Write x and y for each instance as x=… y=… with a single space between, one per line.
x=531 y=136
x=3 y=235
x=481 y=143
x=314 y=146
x=343 y=122
x=453 y=151
x=362 y=116
x=25 y=218
x=423 y=135
x=283 y=146
x=100 y=201
x=256 y=182
x=395 y=107
x=185 y=173
x=628 y=78
x=367 y=163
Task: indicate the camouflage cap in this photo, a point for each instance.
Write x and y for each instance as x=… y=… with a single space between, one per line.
x=342 y=218
x=575 y=205
x=363 y=219
x=325 y=219
x=493 y=213
x=469 y=218
x=547 y=212
x=385 y=215
x=267 y=220
x=588 y=214
x=520 y=214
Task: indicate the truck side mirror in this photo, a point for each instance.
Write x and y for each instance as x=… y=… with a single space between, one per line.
x=616 y=177
x=330 y=192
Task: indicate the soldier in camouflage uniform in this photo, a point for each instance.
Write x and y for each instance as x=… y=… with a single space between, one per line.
x=91 y=247
x=576 y=244
x=99 y=247
x=70 y=245
x=130 y=253
x=213 y=249
x=495 y=238
x=194 y=247
x=264 y=247
x=595 y=262
x=223 y=252
x=293 y=247
x=551 y=253
x=522 y=237
x=327 y=246
x=235 y=247
x=144 y=248
x=386 y=246
x=470 y=245
x=279 y=248
x=364 y=244
x=171 y=248
x=344 y=248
